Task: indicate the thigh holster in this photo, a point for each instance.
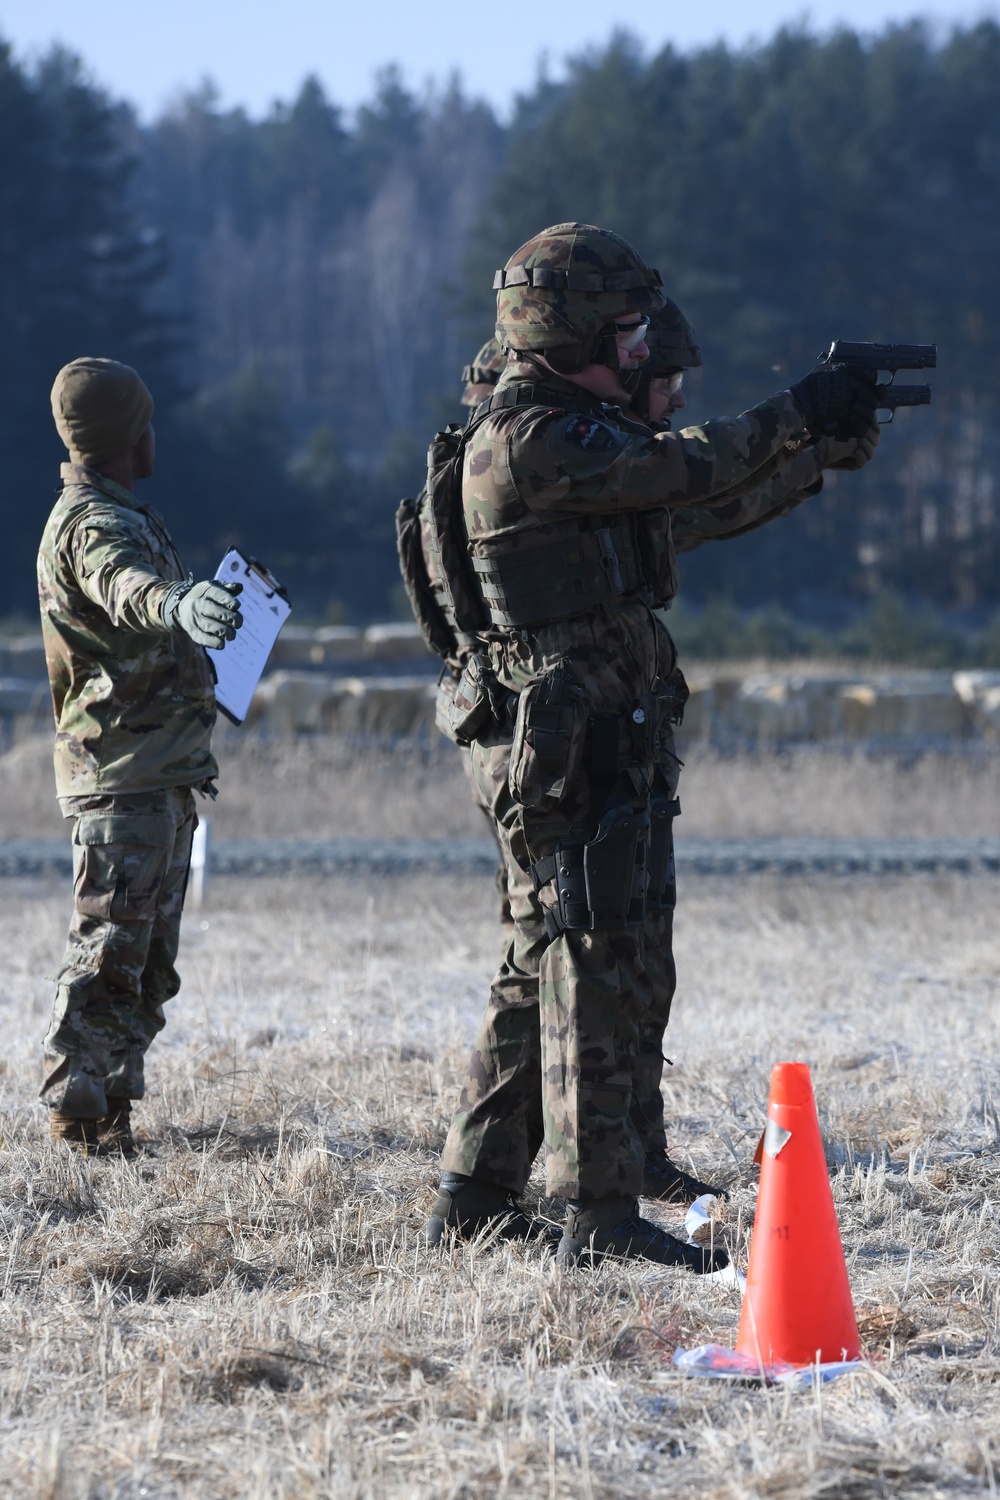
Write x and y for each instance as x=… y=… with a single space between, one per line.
x=661 y=893
x=600 y=882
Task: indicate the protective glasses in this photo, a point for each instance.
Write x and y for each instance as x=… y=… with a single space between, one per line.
x=669 y=385
x=630 y=335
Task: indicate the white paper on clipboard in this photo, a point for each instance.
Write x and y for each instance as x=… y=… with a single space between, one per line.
x=238 y=666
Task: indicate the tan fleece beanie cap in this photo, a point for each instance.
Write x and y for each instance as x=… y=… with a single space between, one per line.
x=101 y=409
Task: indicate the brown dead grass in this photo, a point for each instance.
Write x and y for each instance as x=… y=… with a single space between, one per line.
x=327 y=788
x=249 y=1313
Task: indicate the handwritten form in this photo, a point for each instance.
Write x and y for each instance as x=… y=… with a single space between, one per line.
x=238 y=666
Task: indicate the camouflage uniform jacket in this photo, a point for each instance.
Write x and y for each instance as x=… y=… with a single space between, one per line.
x=733 y=515
x=134 y=702
x=526 y=466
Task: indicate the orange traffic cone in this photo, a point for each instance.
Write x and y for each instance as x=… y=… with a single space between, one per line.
x=798 y=1305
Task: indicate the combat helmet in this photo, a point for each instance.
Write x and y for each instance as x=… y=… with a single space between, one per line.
x=485 y=370
x=671 y=342
x=561 y=292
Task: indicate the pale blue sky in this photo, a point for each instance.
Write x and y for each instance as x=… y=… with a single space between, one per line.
x=259 y=50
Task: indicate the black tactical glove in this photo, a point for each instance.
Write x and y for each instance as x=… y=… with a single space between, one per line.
x=837 y=400
x=851 y=453
x=207 y=612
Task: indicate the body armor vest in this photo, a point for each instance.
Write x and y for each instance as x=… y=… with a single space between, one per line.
x=566 y=568
x=530 y=578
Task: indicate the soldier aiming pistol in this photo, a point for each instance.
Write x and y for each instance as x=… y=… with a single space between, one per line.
x=871 y=358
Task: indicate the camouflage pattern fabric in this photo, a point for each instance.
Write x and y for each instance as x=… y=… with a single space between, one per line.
x=526 y=466
x=500 y=1124
x=560 y=1062
x=558 y=1046
x=482 y=375
x=646 y=1112
x=563 y=287
x=671 y=342
x=134 y=702
x=500 y=877
x=800 y=477
x=131 y=853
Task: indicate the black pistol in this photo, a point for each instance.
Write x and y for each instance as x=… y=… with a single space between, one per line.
x=891 y=357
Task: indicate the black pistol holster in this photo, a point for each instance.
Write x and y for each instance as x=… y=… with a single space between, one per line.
x=661 y=892
x=602 y=882
x=626 y=866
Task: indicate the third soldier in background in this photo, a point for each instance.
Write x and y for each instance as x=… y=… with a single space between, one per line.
x=656 y=394
x=568 y=703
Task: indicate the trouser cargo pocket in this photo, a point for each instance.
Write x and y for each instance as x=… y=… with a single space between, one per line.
x=120 y=861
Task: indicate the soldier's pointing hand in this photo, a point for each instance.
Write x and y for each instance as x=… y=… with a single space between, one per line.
x=207 y=612
x=837 y=401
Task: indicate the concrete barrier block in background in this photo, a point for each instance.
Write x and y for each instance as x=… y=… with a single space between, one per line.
x=980 y=692
x=772 y=707
x=289 y=702
x=917 y=706
x=698 y=709
x=390 y=706
x=302 y=646
x=400 y=640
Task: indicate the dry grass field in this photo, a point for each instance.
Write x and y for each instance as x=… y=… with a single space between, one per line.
x=325 y=788
x=248 y=1311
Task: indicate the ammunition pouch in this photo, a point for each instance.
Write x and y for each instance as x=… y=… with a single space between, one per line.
x=444 y=698
x=479 y=705
x=429 y=610
x=626 y=867
x=673 y=695
x=550 y=732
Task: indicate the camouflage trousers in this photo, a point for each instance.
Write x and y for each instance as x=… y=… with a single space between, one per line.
x=661 y=977
x=572 y=1027
x=500 y=878
x=131 y=855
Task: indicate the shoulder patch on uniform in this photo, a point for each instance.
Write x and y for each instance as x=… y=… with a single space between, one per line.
x=593 y=437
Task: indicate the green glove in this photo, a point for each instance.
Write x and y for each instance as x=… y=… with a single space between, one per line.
x=207 y=612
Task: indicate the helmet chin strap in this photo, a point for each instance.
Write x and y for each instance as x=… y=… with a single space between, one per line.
x=603 y=351
x=564 y=361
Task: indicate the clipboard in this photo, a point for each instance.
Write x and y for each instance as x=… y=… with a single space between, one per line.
x=265 y=608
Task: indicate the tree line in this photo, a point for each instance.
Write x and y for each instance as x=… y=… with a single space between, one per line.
x=301 y=290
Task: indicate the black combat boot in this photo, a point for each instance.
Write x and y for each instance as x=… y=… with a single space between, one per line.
x=114 y=1131
x=612 y=1227
x=469 y=1205
x=665 y=1182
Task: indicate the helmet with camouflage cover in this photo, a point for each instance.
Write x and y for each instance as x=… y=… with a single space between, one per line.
x=670 y=340
x=482 y=375
x=560 y=294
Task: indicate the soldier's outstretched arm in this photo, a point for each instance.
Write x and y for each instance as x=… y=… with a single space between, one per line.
x=566 y=463
x=733 y=516
x=112 y=566
x=800 y=478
